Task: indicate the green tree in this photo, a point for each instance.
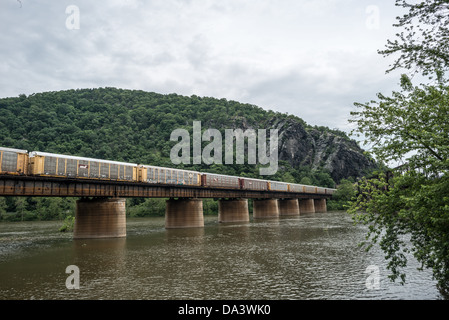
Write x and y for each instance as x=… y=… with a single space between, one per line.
x=342 y=198
x=411 y=127
x=323 y=179
x=21 y=207
x=306 y=181
x=288 y=177
x=414 y=120
x=423 y=42
x=3 y=207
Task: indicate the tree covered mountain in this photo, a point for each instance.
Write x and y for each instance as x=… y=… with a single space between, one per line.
x=135 y=126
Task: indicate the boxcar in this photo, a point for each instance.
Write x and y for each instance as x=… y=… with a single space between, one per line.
x=309 y=189
x=320 y=190
x=296 y=187
x=152 y=174
x=219 y=181
x=13 y=161
x=278 y=186
x=254 y=184
x=57 y=165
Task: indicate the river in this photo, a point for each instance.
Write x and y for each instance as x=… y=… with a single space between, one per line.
x=313 y=256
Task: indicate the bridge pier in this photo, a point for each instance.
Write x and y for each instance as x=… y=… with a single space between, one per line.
x=289 y=207
x=307 y=206
x=184 y=213
x=233 y=210
x=265 y=209
x=320 y=205
x=100 y=218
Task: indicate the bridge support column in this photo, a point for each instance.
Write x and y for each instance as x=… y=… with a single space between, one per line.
x=320 y=205
x=289 y=207
x=307 y=206
x=265 y=209
x=235 y=210
x=184 y=213
x=100 y=218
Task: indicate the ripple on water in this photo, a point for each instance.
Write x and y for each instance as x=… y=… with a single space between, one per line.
x=313 y=256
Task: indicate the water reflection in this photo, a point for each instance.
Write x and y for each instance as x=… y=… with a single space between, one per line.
x=313 y=256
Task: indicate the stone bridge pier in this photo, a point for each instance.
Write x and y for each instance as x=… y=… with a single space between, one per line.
x=233 y=210
x=100 y=218
x=184 y=213
x=320 y=205
x=289 y=207
x=307 y=205
x=106 y=217
x=265 y=209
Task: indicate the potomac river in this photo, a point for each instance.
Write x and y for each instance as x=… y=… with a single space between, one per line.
x=313 y=256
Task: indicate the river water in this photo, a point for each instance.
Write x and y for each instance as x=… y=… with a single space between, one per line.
x=313 y=256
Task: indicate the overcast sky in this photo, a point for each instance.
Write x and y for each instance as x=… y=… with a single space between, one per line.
x=310 y=58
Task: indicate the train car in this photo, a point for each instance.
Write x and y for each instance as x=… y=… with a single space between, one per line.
x=320 y=190
x=13 y=161
x=153 y=174
x=278 y=186
x=57 y=165
x=309 y=189
x=296 y=187
x=219 y=181
x=253 y=184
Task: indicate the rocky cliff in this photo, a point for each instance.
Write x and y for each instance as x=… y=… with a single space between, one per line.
x=307 y=146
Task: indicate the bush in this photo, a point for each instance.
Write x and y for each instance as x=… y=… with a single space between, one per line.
x=68 y=225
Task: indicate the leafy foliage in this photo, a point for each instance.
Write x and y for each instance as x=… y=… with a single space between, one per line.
x=423 y=43
x=415 y=210
x=68 y=225
x=341 y=199
x=414 y=120
x=409 y=126
x=407 y=208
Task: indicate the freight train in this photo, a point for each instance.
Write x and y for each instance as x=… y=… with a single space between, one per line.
x=35 y=163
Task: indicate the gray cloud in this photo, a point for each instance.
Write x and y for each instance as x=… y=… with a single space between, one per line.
x=308 y=58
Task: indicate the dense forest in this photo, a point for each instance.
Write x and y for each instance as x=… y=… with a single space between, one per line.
x=135 y=126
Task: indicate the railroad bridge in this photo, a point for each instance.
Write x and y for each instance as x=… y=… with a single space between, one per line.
x=104 y=185
x=101 y=213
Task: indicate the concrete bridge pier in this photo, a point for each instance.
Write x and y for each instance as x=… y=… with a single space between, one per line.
x=265 y=209
x=307 y=206
x=289 y=207
x=184 y=213
x=100 y=218
x=320 y=205
x=233 y=210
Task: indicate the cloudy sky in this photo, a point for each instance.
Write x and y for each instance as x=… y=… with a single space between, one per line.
x=310 y=58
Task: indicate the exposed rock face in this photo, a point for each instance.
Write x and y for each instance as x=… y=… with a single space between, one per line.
x=341 y=156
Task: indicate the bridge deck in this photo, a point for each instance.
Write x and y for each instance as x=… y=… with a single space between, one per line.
x=36 y=186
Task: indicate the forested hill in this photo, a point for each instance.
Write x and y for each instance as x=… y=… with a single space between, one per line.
x=135 y=126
